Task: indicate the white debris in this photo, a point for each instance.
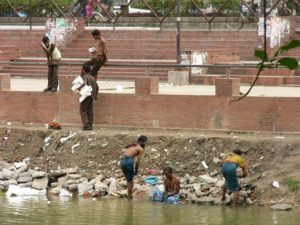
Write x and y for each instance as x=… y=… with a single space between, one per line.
x=74 y=146
x=14 y=190
x=275 y=184
x=65 y=193
x=204 y=164
x=26 y=160
x=8 y=123
x=19 y=164
x=104 y=144
x=153 y=150
x=279 y=137
x=47 y=139
x=64 y=139
x=5 y=138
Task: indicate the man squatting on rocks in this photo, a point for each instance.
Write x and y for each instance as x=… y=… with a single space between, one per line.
x=231 y=163
x=99 y=54
x=53 y=57
x=172 y=186
x=132 y=152
x=86 y=106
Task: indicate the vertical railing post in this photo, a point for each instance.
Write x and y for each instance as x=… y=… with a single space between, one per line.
x=178 y=31
x=30 y=15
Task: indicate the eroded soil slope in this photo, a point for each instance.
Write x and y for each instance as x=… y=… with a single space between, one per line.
x=270 y=156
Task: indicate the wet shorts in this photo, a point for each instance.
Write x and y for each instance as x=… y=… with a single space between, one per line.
x=231 y=178
x=127 y=166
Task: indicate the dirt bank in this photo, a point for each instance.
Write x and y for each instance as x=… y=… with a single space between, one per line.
x=271 y=156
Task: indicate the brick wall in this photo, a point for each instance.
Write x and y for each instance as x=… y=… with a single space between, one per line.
x=4 y=82
x=153 y=110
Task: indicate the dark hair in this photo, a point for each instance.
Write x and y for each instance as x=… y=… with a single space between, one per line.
x=96 y=32
x=142 y=138
x=238 y=151
x=45 y=39
x=86 y=68
x=168 y=169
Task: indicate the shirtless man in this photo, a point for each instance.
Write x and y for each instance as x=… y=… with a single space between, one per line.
x=130 y=168
x=99 y=55
x=172 y=186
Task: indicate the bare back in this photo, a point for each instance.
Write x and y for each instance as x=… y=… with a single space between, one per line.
x=101 y=49
x=134 y=151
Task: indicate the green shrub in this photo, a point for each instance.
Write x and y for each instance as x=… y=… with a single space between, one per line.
x=37 y=6
x=292 y=183
x=232 y=4
x=160 y=6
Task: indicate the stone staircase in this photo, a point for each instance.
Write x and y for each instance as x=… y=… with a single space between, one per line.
x=135 y=47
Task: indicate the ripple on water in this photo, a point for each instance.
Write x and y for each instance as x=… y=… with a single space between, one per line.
x=85 y=211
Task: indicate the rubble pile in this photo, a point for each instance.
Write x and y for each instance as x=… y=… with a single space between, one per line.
x=18 y=179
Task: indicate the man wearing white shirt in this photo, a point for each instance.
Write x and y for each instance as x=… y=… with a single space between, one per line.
x=86 y=106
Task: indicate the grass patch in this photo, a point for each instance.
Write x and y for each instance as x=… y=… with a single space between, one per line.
x=292 y=183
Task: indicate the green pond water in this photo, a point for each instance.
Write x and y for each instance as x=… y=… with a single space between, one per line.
x=73 y=211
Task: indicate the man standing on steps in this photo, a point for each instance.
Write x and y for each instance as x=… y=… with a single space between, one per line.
x=53 y=57
x=99 y=54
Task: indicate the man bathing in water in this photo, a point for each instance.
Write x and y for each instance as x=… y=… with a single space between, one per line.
x=171 y=191
x=172 y=186
x=130 y=168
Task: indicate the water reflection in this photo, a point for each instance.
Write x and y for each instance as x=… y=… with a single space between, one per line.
x=86 y=211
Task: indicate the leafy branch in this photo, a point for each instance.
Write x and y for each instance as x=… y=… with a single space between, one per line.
x=277 y=60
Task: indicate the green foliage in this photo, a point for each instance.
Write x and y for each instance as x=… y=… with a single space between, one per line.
x=288 y=62
x=292 y=183
x=232 y=4
x=261 y=54
x=155 y=4
x=277 y=59
x=186 y=5
x=158 y=5
x=37 y=6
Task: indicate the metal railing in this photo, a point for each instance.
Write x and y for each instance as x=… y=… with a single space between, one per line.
x=160 y=17
x=222 y=69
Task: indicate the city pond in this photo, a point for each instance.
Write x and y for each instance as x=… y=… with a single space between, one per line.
x=89 y=211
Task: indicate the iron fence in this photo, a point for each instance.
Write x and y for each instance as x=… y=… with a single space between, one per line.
x=207 y=15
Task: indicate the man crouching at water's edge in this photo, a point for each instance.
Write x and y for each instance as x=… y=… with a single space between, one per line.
x=172 y=186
